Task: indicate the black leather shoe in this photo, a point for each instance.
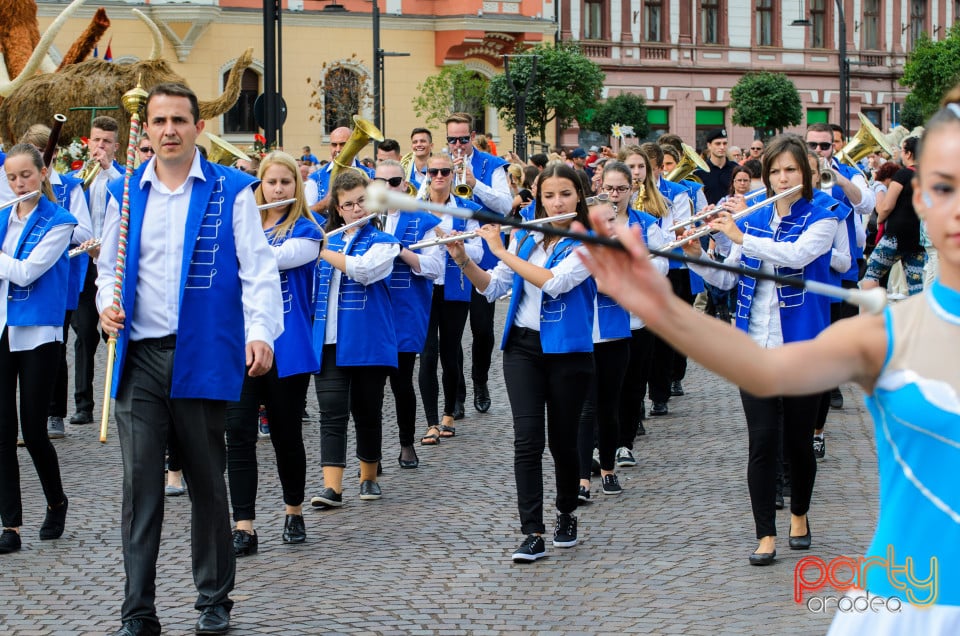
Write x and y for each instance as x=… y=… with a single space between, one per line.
x=676 y=388
x=763 y=558
x=481 y=397
x=802 y=542
x=82 y=417
x=138 y=627
x=54 y=522
x=214 y=620
x=369 y=490
x=408 y=463
x=293 y=529
x=836 y=399
x=458 y=412
x=659 y=408
x=244 y=543
x=9 y=541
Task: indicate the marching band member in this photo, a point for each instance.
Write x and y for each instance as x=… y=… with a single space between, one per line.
x=34 y=268
x=295 y=238
x=421 y=144
x=448 y=309
x=338 y=139
x=354 y=339
x=411 y=287
x=547 y=352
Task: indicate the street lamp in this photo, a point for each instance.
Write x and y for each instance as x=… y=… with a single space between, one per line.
x=378 y=69
x=844 y=63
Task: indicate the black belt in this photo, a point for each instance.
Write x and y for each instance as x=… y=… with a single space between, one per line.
x=166 y=342
x=524 y=332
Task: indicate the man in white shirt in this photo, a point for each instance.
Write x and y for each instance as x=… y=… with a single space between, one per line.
x=189 y=328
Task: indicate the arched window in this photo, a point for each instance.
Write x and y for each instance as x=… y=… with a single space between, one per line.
x=239 y=119
x=341 y=98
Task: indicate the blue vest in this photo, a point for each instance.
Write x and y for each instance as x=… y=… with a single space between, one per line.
x=670 y=190
x=484 y=166
x=841 y=211
x=365 y=328
x=210 y=357
x=44 y=301
x=411 y=294
x=566 y=322
x=78 y=264
x=456 y=285
x=856 y=252
x=803 y=315
x=322 y=176
x=529 y=211
x=296 y=289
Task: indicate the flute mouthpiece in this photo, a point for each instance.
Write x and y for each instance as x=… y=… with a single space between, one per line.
x=873 y=300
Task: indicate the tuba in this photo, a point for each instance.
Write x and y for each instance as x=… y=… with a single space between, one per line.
x=363 y=132
x=689 y=162
x=223 y=152
x=867 y=140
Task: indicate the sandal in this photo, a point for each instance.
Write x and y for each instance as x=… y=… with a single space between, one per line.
x=431 y=439
x=447 y=431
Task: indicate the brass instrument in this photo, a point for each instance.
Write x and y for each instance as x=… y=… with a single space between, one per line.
x=460 y=187
x=867 y=140
x=223 y=152
x=363 y=132
x=89 y=172
x=828 y=178
x=468 y=235
x=406 y=163
x=689 y=162
x=641 y=195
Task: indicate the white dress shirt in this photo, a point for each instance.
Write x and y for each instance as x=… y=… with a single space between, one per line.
x=567 y=274
x=656 y=237
x=24 y=272
x=472 y=246
x=432 y=259
x=77 y=205
x=98 y=197
x=311 y=191
x=496 y=196
x=156 y=311
x=295 y=252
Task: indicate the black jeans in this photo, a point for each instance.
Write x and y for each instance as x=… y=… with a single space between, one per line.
x=58 y=400
x=32 y=369
x=635 y=385
x=145 y=412
x=283 y=399
x=669 y=365
x=86 y=324
x=763 y=425
x=601 y=409
x=481 y=327
x=447 y=320
x=401 y=385
x=536 y=382
x=346 y=391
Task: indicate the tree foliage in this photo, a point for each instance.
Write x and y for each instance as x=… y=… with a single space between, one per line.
x=626 y=109
x=932 y=69
x=766 y=101
x=339 y=93
x=454 y=89
x=911 y=113
x=565 y=86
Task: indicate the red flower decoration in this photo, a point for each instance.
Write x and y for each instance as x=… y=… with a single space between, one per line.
x=76 y=165
x=260 y=138
x=85 y=140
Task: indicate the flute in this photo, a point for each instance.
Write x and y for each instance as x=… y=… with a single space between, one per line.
x=467 y=235
x=22 y=197
x=704 y=215
x=83 y=249
x=276 y=204
x=348 y=226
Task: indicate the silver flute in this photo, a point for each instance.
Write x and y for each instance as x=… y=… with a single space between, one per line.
x=468 y=235
x=719 y=208
x=22 y=197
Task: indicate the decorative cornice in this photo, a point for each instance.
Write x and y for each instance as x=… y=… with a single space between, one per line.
x=199 y=17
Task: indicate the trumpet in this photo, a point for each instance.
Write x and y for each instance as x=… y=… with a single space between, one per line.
x=696 y=219
x=828 y=177
x=704 y=231
x=460 y=188
x=89 y=172
x=468 y=235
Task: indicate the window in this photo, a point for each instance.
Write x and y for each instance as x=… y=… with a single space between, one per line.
x=708 y=119
x=918 y=21
x=871 y=25
x=593 y=20
x=341 y=98
x=659 y=121
x=821 y=24
x=240 y=119
x=653 y=20
x=764 y=23
x=710 y=21
x=875 y=115
x=818 y=116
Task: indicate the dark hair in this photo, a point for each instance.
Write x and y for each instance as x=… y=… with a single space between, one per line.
x=838 y=128
x=734 y=173
x=910 y=145
x=795 y=147
x=37 y=159
x=172 y=89
x=421 y=131
x=105 y=123
x=563 y=171
x=346 y=181
x=887 y=170
x=389 y=145
x=530 y=174
x=754 y=166
x=670 y=139
x=654 y=152
x=539 y=160
x=669 y=149
x=620 y=167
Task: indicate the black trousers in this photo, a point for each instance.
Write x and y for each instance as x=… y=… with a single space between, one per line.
x=145 y=412
x=342 y=392
x=447 y=320
x=635 y=385
x=481 y=327
x=32 y=370
x=401 y=385
x=669 y=365
x=600 y=419
x=86 y=324
x=546 y=393
x=763 y=426
x=58 y=399
x=283 y=398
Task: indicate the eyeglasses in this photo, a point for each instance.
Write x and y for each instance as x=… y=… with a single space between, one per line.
x=350 y=206
x=463 y=141
x=756 y=147
x=620 y=189
x=147 y=150
x=443 y=172
x=597 y=199
x=393 y=182
x=823 y=145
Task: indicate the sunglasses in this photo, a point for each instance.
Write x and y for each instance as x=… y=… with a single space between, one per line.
x=147 y=151
x=459 y=140
x=443 y=172
x=756 y=147
x=393 y=182
x=823 y=145
x=597 y=199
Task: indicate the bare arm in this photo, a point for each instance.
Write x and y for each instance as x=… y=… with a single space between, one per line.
x=888 y=201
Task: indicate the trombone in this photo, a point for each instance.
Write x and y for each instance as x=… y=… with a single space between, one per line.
x=468 y=235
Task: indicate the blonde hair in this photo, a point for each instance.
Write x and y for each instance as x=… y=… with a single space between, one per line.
x=298 y=209
x=654 y=203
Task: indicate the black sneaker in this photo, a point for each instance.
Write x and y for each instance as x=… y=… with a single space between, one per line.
x=819 y=447
x=836 y=399
x=595 y=463
x=369 y=490
x=531 y=549
x=611 y=485
x=584 y=495
x=10 y=541
x=327 y=499
x=676 y=388
x=659 y=408
x=625 y=457
x=565 y=534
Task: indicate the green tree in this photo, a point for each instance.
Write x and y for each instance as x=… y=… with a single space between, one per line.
x=565 y=86
x=932 y=69
x=454 y=89
x=911 y=114
x=767 y=102
x=626 y=109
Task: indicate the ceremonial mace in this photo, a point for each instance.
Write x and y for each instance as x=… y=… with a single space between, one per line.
x=133 y=101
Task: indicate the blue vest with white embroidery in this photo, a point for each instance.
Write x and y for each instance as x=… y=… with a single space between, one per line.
x=856 y=252
x=44 y=301
x=322 y=176
x=365 y=328
x=411 y=294
x=210 y=357
x=456 y=285
x=484 y=166
x=803 y=315
x=566 y=322
x=78 y=264
x=841 y=211
x=296 y=289
x=670 y=190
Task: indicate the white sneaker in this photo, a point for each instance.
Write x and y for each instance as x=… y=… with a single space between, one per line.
x=625 y=457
